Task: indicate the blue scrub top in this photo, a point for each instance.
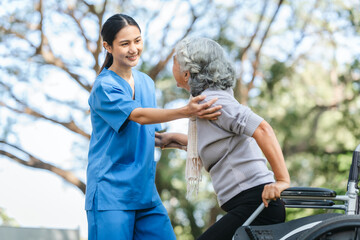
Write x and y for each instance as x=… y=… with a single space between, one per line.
x=121 y=167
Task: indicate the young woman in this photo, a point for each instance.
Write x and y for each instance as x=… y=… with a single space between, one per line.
x=121 y=198
x=234 y=148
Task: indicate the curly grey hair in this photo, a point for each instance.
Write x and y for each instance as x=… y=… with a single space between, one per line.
x=206 y=61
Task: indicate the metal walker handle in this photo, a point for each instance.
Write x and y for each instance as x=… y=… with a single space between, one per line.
x=255 y=214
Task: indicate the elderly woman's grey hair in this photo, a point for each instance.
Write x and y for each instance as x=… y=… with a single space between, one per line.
x=206 y=61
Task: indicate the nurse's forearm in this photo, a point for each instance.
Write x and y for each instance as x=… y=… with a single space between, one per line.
x=155 y=115
x=193 y=108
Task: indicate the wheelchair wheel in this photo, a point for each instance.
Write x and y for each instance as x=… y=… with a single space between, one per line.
x=345 y=227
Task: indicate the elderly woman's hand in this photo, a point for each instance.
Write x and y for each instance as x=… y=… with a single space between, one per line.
x=272 y=191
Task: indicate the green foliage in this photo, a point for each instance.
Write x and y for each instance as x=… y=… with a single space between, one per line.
x=302 y=77
x=277 y=72
x=5 y=220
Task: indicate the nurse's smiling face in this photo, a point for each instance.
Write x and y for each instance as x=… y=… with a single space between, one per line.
x=126 y=48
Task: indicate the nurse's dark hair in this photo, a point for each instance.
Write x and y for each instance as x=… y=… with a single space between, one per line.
x=109 y=30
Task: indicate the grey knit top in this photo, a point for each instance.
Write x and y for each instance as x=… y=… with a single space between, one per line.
x=227 y=150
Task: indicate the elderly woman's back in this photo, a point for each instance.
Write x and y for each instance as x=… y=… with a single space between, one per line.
x=228 y=151
x=234 y=148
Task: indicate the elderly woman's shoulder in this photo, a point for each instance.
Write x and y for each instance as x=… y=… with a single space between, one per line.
x=227 y=93
x=225 y=97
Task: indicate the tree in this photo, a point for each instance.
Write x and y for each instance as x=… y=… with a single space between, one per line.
x=294 y=69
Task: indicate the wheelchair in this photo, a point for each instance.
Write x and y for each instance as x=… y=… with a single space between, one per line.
x=329 y=226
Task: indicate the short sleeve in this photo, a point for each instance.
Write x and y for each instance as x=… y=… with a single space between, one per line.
x=158 y=127
x=235 y=117
x=253 y=122
x=113 y=104
x=148 y=96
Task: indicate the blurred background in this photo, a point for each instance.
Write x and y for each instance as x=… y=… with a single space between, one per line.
x=297 y=64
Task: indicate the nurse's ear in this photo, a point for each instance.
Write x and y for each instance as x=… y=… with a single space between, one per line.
x=107 y=47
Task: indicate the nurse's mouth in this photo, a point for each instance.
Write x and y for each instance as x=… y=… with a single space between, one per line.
x=132 y=58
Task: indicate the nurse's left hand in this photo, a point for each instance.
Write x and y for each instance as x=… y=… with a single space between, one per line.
x=211 y=113
x=204 y=110
x=171 y=140
x=162 y=139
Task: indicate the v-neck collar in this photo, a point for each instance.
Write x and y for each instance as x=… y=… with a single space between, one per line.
x=127 y=83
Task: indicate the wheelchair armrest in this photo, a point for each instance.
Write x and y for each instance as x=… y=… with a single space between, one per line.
x=308 y=192
x=327 y=203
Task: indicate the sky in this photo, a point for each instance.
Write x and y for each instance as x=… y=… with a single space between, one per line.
x=37 y=198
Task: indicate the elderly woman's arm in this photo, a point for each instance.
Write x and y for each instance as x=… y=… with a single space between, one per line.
x=171 y=140
x=267 y=141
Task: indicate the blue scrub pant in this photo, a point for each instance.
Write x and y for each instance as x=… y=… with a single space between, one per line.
x=149 y=224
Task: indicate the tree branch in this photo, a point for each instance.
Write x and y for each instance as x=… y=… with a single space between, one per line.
x=99 y=47
x=89 y=44
x=244 y=50
x=256 y=63
x=18 y=35
x=162 y=63
x=303 y=29
x=318 y=110
x=35 y=162
x=44 y=50
x=71 y=125
x=244 y=92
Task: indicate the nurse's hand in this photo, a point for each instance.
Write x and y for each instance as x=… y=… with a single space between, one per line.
x=171 y=140
x=203 y=110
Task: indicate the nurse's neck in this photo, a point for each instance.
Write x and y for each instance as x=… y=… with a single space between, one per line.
x=124 y=73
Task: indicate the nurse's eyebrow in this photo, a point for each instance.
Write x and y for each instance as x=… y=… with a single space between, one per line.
x=127 y=40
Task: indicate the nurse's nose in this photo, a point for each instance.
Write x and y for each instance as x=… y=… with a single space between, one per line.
x=132 y=49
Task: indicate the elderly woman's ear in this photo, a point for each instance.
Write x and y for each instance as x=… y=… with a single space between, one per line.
x=186 y=76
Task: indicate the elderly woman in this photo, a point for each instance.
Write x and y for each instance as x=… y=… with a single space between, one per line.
x=235 y=148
